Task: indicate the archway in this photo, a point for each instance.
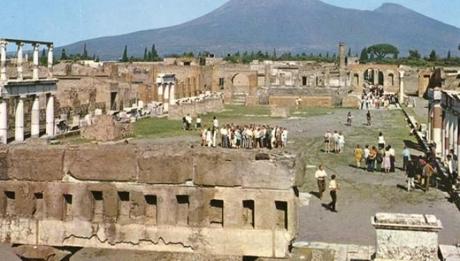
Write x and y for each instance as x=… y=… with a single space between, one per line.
x=356 y=80
x=391 y=78
x=240 y=83
x=381 y=80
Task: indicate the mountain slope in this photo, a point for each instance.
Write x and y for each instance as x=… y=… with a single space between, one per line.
x=287 y=25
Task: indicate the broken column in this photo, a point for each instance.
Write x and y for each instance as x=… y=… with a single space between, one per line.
x=35 y=62
x=406 y=237
x=19 y=60
x=50 y=61
x=401 y=87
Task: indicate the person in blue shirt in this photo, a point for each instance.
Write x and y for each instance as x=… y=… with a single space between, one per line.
x=406 y=157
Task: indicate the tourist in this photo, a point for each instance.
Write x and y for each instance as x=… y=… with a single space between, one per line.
x=387 y=160
x=381 y=141
x=320 y=176
x=371 y=159
x=411 y=172
x=341 y=142
x=198 y=122
x=406 y=157
x=333 y=187
x=203 y=137
x=184 y=123
x=224 y=137
x=451 y=169
x=209 y=137
x=327 y=141
x=335 y=139
x=392 y=158
x=284 y=137
x=188 y=120
x=379 y=159
x=454 y=169
x=215 y=123
x=427 y=174
x=358 y=153
x=366 y=154
x=369 y=118
x=349 y=118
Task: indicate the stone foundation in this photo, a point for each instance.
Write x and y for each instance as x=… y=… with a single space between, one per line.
x=137 y=197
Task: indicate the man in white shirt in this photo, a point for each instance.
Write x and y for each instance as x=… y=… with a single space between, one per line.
x=335 y=139
x=333 y=192
x=321 y=176
x=215 y=123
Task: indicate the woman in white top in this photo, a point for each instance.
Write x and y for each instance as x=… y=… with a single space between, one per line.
x=381 y=141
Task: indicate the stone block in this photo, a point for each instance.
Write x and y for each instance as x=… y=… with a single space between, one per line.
x=102 y=163
x=279 y=112
x=35 y=163
x=351 y=101
x=165 y=166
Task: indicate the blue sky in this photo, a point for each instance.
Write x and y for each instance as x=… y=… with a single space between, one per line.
x=67 y=21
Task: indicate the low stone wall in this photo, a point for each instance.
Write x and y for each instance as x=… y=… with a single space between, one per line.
x=105 y=128
x=307 y=101
x=279 y=112
x=149 y=197
x=351 y=101
x=176 y=112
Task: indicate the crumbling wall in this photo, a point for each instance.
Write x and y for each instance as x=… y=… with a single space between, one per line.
x=306 y=101
x=148 y=197
x=195 y=108
x=105 y=128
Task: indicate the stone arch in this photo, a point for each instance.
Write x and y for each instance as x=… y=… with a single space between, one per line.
x=391 y=79
x=356 y=79
x=381 y=80
x=240 y=83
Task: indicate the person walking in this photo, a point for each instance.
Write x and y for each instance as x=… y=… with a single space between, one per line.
x=381 y=141
x=371 y=160
x=366 y=154
x=426 y=174
x=392 y=158
x=369 y=117
x=333 y=187
x=411 y=172
x=327 y=141
x=406 y=157
x=358 y=153
x=320 y=176
x=349 y=118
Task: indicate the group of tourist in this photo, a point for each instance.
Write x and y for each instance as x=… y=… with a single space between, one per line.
x=375 y=98
x=233 y=136
x=380 y=157
x=334 y=142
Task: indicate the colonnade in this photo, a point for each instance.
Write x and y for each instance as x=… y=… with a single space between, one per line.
x=19 y=119
x=166 y=84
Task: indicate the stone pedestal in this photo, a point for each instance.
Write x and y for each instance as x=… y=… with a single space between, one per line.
x=406 y=237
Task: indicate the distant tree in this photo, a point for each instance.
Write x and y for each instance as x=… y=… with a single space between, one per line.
x=94 y=57
x=349 y=52
x=449 y=55
x=124 y=57
x=274 y=54
x=155 y=55
x=433 y=56
x=364 y=56
x=97 y=59
x=146 y=55
x=327 y=55
x=43 y=58
x=380 y=51
x=414 y=55
x=63 y=55
x=85 y=53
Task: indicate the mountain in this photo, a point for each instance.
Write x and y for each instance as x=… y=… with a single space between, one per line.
x=285 y=25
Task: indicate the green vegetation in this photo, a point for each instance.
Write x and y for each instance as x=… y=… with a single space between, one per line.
x=124 y=57
x=381 y=51
x=247 y=57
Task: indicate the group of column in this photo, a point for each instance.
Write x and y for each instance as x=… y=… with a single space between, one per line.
x=166 y=94
x=19 y=118
x=19 y=60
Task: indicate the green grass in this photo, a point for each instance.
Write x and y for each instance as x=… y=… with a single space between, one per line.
x=310 y=112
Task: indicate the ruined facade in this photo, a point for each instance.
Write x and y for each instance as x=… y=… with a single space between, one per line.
x=137 y=197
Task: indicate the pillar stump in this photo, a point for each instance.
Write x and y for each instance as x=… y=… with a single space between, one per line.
x=406 y=236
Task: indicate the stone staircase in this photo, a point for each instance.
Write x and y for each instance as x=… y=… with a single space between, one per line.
x=239 y=98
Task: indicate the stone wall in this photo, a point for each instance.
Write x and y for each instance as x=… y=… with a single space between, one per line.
x=307 y=101
x=138 y=197
x=208 y=105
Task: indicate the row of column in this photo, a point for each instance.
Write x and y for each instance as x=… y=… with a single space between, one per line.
x=19 y=61
x=166 y=94
x=19 y=118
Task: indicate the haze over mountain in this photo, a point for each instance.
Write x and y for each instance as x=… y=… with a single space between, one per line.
x=285 y=25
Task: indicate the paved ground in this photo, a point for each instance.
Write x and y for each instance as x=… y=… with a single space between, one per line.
x=363 y=194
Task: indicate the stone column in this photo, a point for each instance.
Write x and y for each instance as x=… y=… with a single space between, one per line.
x=3 y=60
x=19 y=60
x=160 y=92
x=376 y=77
x=166 y=97
x=19 y=125
x=172 y=94
x=35 y=118
x=50 y=61
x=35 y=61
x=3 y=121
x=458 y=142
x=342 y=56
x=401 y=87
x=437 y=120
x=50 y=116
